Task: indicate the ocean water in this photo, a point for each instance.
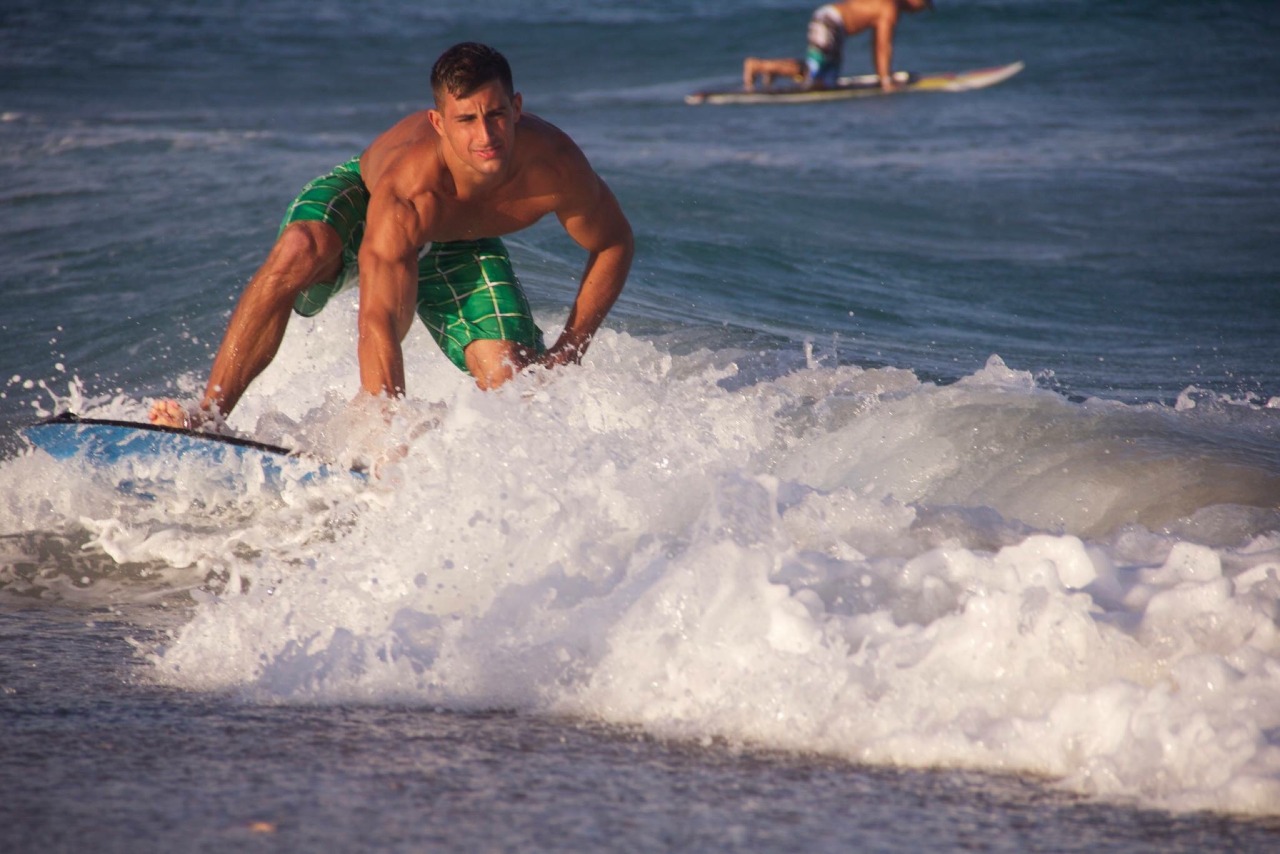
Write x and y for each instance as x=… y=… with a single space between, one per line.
x=922 y=491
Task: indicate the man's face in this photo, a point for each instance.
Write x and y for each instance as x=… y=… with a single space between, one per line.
x=480 y=127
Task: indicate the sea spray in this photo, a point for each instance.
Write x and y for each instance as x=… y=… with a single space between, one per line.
x=824 y=559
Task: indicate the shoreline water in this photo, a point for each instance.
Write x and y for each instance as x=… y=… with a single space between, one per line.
x=127 y=767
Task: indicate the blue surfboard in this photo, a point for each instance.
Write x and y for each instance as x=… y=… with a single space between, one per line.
x=104 y=442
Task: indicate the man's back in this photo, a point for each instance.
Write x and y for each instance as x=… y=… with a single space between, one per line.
x=859 y=15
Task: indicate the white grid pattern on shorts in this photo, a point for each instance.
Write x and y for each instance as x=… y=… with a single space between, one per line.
x=459 y=274
x=337 y=205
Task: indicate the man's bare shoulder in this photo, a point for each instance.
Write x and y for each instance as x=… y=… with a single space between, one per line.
x=548 y=150
x=400 y=153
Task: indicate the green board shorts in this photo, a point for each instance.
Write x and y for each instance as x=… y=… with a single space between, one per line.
x=341 y=201
x=467 y=289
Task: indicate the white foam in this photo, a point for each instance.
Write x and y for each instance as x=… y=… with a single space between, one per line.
x=837 y=560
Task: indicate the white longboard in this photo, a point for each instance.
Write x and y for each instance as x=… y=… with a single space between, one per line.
x=863 y=86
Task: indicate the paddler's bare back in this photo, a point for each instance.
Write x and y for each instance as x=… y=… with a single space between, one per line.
x=406 y=161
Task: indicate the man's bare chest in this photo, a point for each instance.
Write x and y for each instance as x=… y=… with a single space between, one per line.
x=491 y=216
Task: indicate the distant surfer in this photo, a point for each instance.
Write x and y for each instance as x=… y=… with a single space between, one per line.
x=828 y=28
x=420 y=214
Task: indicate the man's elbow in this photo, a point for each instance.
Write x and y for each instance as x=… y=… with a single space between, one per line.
x=624 y=242
x=627 y=247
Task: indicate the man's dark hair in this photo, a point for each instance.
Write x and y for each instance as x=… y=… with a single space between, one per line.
x=465 y=67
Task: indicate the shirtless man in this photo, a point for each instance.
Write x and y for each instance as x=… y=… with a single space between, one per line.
x=828 y=28
x=421 y=210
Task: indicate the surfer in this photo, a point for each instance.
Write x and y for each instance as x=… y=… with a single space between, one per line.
x=830 y=24
x=419 y=214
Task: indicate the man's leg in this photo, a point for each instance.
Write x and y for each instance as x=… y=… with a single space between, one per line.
x=768 y=69
x=305 y=253
x=492 y=362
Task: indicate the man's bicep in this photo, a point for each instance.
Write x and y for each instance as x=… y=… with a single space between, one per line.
x=389 y=229
x=595 y=220
x=388 y=266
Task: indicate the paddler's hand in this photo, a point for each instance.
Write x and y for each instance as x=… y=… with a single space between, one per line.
x=567 y=351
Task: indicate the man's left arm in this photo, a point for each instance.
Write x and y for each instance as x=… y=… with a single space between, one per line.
x=592 y=216
x=882 y=48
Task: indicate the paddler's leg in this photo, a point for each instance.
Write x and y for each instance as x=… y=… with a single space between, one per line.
x=492 y=363
x=753 y=67
x=473 y=305
x=318 y=237
x=305 y=254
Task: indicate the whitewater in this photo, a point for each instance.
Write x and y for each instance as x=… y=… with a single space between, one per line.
x=714 y=546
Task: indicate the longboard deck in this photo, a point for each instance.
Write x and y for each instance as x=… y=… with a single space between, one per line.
x=105 y=442
x=862 y=86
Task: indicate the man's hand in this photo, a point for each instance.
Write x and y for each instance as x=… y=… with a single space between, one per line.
x=566 y=351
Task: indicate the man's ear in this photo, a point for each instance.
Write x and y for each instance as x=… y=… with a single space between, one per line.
x=517 y=104
x=437 y=120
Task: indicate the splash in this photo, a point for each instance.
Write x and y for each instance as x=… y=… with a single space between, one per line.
x=819 y=558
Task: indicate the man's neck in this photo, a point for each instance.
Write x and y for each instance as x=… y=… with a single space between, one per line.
x=466 y=184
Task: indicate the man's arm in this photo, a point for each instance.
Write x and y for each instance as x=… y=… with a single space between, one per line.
x=594 y=219
x=882 y=47
x=388 y=292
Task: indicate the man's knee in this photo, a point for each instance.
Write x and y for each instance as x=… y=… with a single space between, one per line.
x=492 y=363
x=305 y=253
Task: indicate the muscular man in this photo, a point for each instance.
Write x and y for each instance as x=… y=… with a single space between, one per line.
x=828 y=28
x=422 y=211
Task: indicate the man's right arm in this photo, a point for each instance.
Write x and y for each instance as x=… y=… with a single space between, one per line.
x=388 y=292
x=882 y=47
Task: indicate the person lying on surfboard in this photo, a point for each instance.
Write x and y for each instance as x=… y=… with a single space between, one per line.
x=420 y=214
x=828 y=28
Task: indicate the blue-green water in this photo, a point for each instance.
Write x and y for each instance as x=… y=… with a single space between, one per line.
x=790 y=503
x=1109 y=217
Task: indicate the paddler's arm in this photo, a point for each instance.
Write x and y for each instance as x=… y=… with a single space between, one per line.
x=388 y=292
x=594 y=219
x=882 y=47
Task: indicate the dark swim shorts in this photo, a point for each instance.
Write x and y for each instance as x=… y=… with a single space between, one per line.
x=467 y=289
x=826 y=45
